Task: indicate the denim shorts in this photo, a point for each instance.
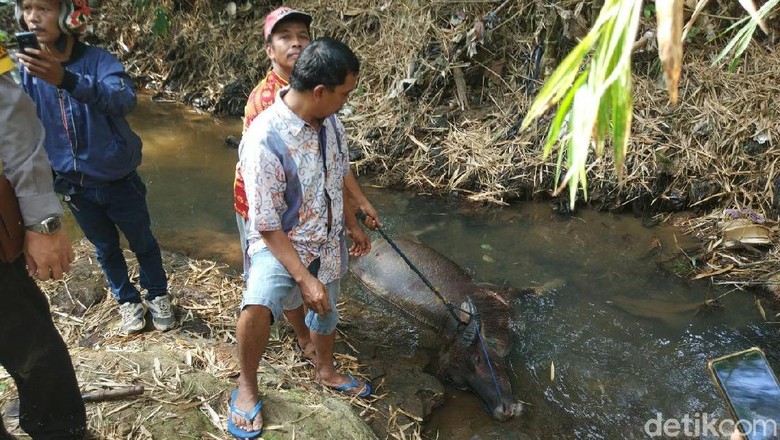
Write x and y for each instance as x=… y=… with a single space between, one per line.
x=271 y=286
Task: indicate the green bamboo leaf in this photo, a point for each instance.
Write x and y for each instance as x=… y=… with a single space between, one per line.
x=558 y=168
x=564 y=75
x=731 y=44
x=573 y=188
x=620 y=25
x=622 y=114
x=743 y=45
x=582 y=120
x=744 y=35
x=560 y=115
x=603 y=109
x=736 y=24
x=558 y=84
x=571 y=170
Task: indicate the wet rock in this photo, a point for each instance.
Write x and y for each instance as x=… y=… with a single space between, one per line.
x=562 y=207
x=701 y=191
x=232 y=141
x=753 y=147
x=415 y=392
x=776 y=195
x=773 y=285
x=197 y=326
x=356 y=154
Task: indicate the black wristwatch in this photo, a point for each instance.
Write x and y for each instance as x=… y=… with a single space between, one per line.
x=48 y=226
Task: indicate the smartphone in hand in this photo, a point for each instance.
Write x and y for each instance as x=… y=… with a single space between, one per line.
x=27 y=40
x=751 y=390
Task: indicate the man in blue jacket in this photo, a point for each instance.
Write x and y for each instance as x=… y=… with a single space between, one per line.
x=83 y=95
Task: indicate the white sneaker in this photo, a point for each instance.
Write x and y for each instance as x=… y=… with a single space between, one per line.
x=133 y=320
x=162 y=313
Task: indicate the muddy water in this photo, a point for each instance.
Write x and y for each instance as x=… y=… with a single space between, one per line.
x=189 y=174
x=623 y=334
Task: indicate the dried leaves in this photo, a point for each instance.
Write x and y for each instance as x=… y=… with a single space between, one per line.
x=669 y=16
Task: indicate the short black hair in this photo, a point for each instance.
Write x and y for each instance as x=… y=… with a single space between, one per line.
x=324 y=61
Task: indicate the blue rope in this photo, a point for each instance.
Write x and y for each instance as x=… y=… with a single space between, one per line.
x=487 y=358
x=450 y=307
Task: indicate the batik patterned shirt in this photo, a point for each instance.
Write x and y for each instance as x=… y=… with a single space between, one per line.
x=290 y=187
x=261 y=98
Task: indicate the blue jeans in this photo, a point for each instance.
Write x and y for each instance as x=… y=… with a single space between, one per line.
x=121 y=204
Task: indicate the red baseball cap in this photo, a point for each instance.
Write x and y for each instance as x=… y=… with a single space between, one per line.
x=281 y=13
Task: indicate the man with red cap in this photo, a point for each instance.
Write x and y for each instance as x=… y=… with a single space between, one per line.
x=287 y=33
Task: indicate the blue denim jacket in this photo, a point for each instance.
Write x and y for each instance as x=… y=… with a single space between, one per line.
x=88 y=140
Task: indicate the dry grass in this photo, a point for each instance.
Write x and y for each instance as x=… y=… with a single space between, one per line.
x=443 y=85
x=188 y=371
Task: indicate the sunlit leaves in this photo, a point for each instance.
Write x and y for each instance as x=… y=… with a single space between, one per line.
x=597 y=98
x=742 y=39
x=594 y=102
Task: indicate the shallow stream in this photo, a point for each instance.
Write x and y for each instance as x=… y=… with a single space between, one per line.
x=623 y=333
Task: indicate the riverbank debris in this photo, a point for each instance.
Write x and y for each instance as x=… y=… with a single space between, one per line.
x=175 y=384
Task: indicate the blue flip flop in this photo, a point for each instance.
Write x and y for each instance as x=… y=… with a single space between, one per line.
x=353 y=383
x=235 y=430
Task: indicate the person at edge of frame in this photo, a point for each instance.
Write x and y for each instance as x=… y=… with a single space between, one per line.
x=31 y=349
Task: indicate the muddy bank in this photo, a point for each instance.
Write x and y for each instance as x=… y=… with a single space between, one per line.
x=189 y=372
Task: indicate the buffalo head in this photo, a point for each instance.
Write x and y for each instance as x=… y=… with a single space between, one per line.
x=467 y=362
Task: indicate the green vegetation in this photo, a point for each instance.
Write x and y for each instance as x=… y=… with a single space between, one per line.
x=592 y=86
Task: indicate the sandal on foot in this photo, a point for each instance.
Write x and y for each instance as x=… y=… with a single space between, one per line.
x=353 y=383
x=240 y=432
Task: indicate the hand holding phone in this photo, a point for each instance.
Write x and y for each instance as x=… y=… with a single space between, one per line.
x=42 y=64
x=27 y=40
x=751 y=390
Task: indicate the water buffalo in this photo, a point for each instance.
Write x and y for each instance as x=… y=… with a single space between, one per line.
x=462 y=357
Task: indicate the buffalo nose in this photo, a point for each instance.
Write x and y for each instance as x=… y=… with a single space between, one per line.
x=507 y=410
